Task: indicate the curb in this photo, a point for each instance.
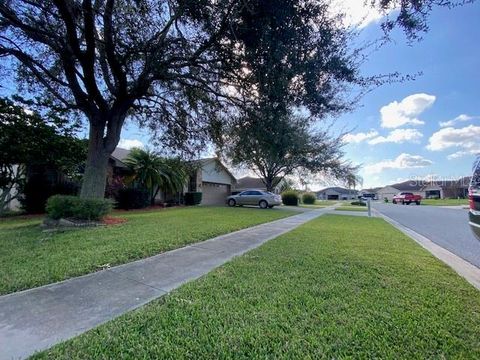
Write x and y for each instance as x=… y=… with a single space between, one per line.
x=462 y=267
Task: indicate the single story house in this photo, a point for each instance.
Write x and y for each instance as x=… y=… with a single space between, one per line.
x=389 y=191
x=439 y=189
x=249 y=182
x=211 y=178
x=337 y=193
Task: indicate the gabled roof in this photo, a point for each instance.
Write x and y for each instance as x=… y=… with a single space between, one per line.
x=338 y=189
x=205 y=161
x=249 y=182
x=118 y=155
x=409 y=185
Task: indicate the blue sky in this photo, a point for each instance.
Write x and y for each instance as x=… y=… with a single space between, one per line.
x=397 y=133
x=389 y=139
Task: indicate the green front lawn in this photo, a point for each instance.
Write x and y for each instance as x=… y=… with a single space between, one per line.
x=320 y=204
x=336 y=287
x=351 y=208
x=30 y=257
x=445 y=202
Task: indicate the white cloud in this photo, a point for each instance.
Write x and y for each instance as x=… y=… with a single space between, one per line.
x=464 y=139
x=398 y=136
x=403 y=161
x=457 y=155
x=459 y=118
x=405 y=112
x=130 y=143
x=359 y=137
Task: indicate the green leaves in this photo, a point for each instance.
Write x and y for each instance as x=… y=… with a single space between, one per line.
x=153 y=172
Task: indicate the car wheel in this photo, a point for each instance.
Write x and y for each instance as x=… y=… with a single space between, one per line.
x=403 y=202
x=394 y=202
x=263 y=204
x=232 y=202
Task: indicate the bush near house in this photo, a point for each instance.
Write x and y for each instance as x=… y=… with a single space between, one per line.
x=309 y=198
x=290 y=198
x=132 y=198
x=358 y=203
x=193 y=198
x=73 y=207
x=37 y=190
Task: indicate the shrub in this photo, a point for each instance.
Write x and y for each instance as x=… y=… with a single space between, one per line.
x=73 y=207
x=309 y=198
x=193 y=198
x=358 y=203
x=38 y=189
x=131 y=198
x=290 y=198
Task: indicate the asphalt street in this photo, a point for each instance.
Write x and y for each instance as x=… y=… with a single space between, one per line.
x=446 y=227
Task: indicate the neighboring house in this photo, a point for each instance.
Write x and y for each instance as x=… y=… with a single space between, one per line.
x=428 y=189
x=368 y=192
x=389 y=191
x=337 y=193
x=211 y=178
x=249 y=182
x=447 y=188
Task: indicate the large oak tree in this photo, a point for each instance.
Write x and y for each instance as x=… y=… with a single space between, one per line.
x=162 y=61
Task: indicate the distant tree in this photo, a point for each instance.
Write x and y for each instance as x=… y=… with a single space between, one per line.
x=276 y=147
x=165 y=62
x=156 y=173
x=28 y=139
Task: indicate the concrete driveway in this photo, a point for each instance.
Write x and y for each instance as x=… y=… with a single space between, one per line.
x=446 y=227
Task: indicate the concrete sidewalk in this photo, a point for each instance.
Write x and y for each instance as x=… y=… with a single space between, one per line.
x=38 y=318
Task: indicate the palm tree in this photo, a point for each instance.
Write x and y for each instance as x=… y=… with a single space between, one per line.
x=353 y=180
x=153 y=172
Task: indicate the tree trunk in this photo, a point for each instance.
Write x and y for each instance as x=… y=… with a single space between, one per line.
x=95 y=176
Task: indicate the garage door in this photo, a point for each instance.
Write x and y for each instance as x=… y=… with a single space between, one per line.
x=214 y=194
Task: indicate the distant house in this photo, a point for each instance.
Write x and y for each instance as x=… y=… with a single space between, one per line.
x=249 y=182
x=389 y=191
x=211 y=178
x=337 y=193
x=439 y=189
x=370 y=192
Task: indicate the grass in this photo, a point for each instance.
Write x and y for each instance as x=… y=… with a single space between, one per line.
x=351 y=208
x=30 y=257
x=320 y=204
x=336 y=287
x=445 y=202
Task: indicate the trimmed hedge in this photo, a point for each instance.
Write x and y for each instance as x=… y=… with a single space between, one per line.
x=309 y=198
x=130 y=198
x=73 y=207
x=290 y=198
x=193 y=198
x=358 y=203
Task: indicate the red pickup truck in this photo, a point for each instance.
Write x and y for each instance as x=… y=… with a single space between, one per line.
x=406 y=198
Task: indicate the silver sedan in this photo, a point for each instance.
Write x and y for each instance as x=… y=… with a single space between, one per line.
x=260 y=198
